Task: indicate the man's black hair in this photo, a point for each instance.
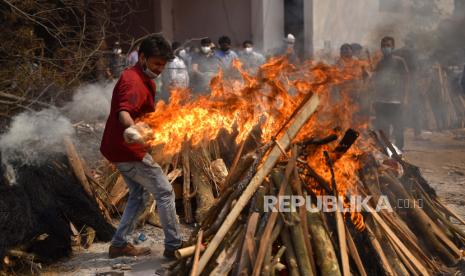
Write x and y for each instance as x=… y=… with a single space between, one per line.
x=388 y=38
x=156 y=46
x=205 y=41
x=356 y=47
x=346 y=45
x=175 y=45
x=224 y=40
x=247 y=42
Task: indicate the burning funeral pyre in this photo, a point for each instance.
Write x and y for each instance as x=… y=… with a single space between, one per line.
x=287 y=132
x=295 y=132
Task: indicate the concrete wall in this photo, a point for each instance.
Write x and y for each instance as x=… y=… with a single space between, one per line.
x=268 y=24
x=213 y=18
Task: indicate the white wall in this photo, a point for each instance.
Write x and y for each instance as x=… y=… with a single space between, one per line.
x=267 y=23
x=348 y=21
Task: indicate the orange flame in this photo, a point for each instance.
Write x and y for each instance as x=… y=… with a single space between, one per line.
x=270 y=98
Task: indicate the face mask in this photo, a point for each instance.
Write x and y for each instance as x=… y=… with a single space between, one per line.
x=117 y=51
x=225 y=49
x=387 y=51
x=248 y=50
x=205 y=49
x=149 y=72
x=182 y=53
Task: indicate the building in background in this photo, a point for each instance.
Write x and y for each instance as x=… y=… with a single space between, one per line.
x=265 y=22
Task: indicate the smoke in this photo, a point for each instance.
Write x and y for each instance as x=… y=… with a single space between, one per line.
x=90 y=103
x=35 y=136
x=367 y=21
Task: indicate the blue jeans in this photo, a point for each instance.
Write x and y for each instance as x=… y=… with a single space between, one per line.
x=140 y=176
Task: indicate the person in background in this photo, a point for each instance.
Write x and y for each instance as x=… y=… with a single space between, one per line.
x=390 y=80
x=289 y=49
x=175 y=75
x=133 y=57
x=415 y=103
x=224 y=53
x=117 y=61
x=124 y=146
x=350 y=65
x=205 y=66
x=250 y=59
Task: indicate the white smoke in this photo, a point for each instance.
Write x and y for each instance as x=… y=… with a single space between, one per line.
x=35 y=136
x=90 y=103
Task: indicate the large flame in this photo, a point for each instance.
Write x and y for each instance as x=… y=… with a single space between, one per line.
x=241 y=101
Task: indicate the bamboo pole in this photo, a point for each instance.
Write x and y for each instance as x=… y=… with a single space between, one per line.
x=186 y=186
x=354 y=253
x=301 y=118
x=197 y=253
x=395 y=239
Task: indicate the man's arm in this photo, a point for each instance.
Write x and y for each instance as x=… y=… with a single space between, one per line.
x=125 y=118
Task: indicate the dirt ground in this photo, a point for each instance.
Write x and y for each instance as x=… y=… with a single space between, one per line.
x=441 y=158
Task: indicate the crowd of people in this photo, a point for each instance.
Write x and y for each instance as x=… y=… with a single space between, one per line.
x=194 y=66
x=384 y=85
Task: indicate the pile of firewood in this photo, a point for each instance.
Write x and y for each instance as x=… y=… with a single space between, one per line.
x=236 y=236
x=47 y=209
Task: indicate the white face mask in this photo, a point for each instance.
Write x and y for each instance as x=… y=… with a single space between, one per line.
x=182 y=53
x=248 y=50
x=149 y=72
x=205 y=49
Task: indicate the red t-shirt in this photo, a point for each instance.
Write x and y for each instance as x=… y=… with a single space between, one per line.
x=134 y=92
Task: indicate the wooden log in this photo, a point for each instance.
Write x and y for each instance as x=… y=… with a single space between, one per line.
x=269 y=162
x=204 y=195
x=188 y=251
x=340 y=226
x=186 y=188
x=291 y=258
x=296 y=232
x=418 y=265
x=247 y=251
x=264 y=242
x=354 y=254
x=389 y=252
x=226 y=258
x=379 y=250
x=118 y=192
x=417 y=219
x=326 y=258
x=297 y=187
x=79 y=171
x=198 y=246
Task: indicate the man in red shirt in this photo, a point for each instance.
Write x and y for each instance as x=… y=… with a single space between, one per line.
x=122 y=144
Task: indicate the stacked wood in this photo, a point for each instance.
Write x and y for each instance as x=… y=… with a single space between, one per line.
x=444 y=102
x=242 y=238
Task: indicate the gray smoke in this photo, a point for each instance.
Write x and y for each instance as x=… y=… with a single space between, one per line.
x=90 y=103
x=35 y=136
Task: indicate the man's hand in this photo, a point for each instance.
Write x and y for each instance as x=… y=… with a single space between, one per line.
x=137 y=133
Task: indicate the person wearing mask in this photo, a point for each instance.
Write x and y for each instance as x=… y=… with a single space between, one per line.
x=124 y=146
x=117 y=61
x=224 y=53
x=133 y=57
x=205 y=66
x=250 y=59
x=390 y=80
x=289 y=49
x=350 y=65
x=417 y=96
x=175 y=75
